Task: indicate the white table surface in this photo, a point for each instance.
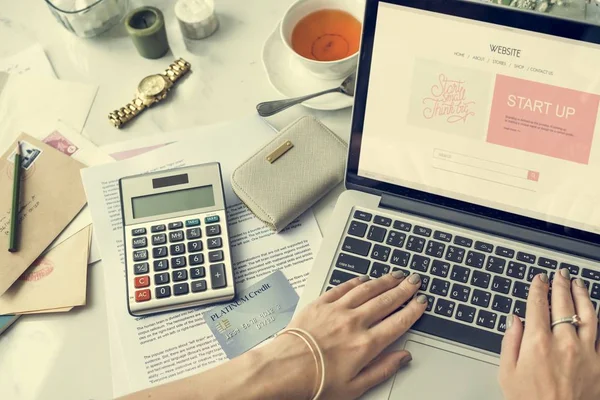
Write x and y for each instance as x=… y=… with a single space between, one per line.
x=67 y=356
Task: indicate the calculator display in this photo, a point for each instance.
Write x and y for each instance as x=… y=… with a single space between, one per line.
x=170 y=202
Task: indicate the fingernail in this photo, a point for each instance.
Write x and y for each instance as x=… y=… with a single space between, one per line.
x=565 y=273
x=363 y=278
x=414 y=279
x=509 y=321
x=544 y=277
x=579 y=282
x=421 y=299
x=398 y=274
x=404 y=360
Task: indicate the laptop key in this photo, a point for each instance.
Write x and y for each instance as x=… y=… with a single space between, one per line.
x=465 y=313
x=376 y=233
x=424 y=282
x=396 y=239
x=440 y=268
x=495 y=264
x=384 y=221
x=520 y=308
x=595 y=293
x=501 y=285
x=505 y=252
x=573 y=269
x=415 y=244
x=481 y=298
x=516 y=270
x=547 y=263
x=439 y=287
x=356 y=246
x=526 y=257
x=435 y=249
x=455 y=254
x=590 y=274
x=420 y=263
x=460 y=274
x=502 y=324
x=445 y=307
x=533 y=271
x=459 y=332
x=400 y=258
x=520 y=290
x=357 y=229
x=463 y=241
x=362 y=215
x=379 y=269
x=443 y=236
x=380 y=252
x=430 y=301
x=483 y=246
x=475 y=259
x=481 y=279
x=460 y=292
x=402 y=226
x=422 y=231
x=486 y=319
x=501 y=304
x=338 y=277
x=352 y=263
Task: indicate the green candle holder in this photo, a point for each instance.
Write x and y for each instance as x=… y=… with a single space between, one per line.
x=146 y=27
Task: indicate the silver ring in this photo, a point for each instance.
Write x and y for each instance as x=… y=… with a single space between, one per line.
x=574 y=320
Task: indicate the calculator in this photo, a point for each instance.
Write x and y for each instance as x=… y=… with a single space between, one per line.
x=177 y=251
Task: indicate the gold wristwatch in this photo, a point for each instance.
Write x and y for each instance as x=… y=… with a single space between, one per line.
x=151 y=89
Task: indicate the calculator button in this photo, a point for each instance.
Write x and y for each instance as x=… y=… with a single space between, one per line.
x=140 y=255
x=212 y=219
x=158 y=228
x=198 y=286
x=180 y=275
x=161 y=279
x=138 y=243
x=192 y=222
x=142 y=295
x=141 y=268
x=217 y=276
x=178 y=262
x=162 y=292
x=158 y=252
x=194 y=246
x=177 y=249
x=196 y=259
x=176 y=225
x=213 y=230
x=161 y=265
x=194 y=233
x=215 y=256
x=141 y=281
x=138 y=231
x=159 y=239
x=214 y=243
x=181 y=288
x=198 y=272
x=176 y=236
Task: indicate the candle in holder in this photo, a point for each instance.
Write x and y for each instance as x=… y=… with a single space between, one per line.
x=197 y=18
x=146 y=27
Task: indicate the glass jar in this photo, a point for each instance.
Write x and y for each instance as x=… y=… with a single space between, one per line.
x=87 y=18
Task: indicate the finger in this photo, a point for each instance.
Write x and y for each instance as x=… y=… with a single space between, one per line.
x=562 y=304
x=380 y=369
x=389 y=301
x=339 y=291
x=585 y=309
x=511 y=345
x=395 y=325
x=371 y=289
x=537 y=314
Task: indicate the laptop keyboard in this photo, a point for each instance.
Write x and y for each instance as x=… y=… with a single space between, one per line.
x=472 y=282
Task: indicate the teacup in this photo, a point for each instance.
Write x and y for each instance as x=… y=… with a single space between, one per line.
x=335 y=69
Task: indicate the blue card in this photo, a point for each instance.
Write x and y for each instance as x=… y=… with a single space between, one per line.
x=257 y=313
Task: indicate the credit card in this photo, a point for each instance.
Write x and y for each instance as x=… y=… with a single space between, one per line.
x=257 y=313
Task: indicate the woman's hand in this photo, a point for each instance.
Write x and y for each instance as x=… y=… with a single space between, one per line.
x=353 y=323
x=562 y=363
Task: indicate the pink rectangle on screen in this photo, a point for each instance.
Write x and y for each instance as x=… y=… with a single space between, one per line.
x=543 y=119
x=533 y=176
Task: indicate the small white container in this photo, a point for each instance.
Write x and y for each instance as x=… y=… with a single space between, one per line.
x=197 y=18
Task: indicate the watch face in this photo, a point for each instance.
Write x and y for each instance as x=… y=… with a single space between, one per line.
x=152 y=85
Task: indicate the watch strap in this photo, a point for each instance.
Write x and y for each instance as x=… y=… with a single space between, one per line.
x=125 y=114
x=176 y=70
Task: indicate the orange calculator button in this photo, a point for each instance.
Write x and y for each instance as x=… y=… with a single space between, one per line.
x=142 y=295
x=141 y=281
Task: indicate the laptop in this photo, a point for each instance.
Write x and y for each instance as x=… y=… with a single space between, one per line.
x=474 y=160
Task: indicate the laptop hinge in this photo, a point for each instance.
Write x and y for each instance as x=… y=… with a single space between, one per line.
x=490 y=226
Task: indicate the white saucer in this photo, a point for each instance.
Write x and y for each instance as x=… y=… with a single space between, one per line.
x=291 y=79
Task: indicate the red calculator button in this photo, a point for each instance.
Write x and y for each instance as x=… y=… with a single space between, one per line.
x=142 y=295
x=141 y=281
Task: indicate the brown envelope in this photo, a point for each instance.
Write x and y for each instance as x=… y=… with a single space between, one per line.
x=51 y=195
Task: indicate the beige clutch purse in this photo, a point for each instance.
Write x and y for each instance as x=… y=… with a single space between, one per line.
x=288 y=175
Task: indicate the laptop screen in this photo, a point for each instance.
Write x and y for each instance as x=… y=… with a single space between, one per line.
x=489 y=115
